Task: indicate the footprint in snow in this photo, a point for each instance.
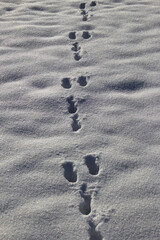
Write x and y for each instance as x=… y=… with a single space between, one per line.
x=66 y=83
x=69 y=172
x=85 y=15
x=76 y=125
x=86 y=35
x=92 y=165
x=82 y=80
x=77 y=56
x=72 y=35
x=76 y=47
x=93 y=4
x=85 y=206
x=93 y=232
x=72 y=105
x=82 y=5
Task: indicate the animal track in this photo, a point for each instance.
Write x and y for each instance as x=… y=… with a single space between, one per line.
x=82 y=81
x=69 y=173
x=90 y=162
x=85 y=15
x=77 y=56
x=85 y=206
x=85 y=18
x=75 y=124
x=76 y=47
x=83 y=12
x=82 y=5
x=83 y=188
x=72 y=105
x=72 y=35
x=93 y=4
x=86 y=35
x=66 y=83
x=73 y=109
x=94 y=234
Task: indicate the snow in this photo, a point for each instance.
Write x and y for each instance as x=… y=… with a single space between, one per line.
x=80 y=119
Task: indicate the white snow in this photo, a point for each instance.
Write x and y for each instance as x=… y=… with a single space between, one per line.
x=80 y=119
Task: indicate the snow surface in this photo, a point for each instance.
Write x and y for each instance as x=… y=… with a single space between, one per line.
x=80 y=119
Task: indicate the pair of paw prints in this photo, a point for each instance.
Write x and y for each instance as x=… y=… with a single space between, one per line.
x=83 y=5
x=84 y=12
x=76 y=47
x=70 y=172
x=92 y=4
x=66 y=82
x=85 y=206
x=85 y=35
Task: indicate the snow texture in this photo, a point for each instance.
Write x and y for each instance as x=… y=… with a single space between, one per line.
x=80 y=119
